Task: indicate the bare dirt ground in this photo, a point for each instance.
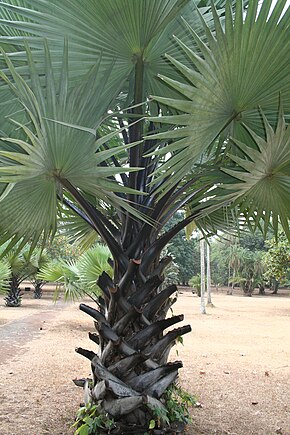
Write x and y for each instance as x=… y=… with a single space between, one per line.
x=236 y=361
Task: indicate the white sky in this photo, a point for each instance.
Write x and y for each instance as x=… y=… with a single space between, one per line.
x=275 y=1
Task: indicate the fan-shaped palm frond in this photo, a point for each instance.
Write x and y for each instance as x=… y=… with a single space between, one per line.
x=54 y=155
x=262 y=192
x=19 y=260
x=65 y=274
x=92 y=264
x=223 y=86
x=149 y=27
x=5 y=272
x=79 y=277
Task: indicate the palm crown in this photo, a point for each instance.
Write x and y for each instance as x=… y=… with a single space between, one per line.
x=214 y=92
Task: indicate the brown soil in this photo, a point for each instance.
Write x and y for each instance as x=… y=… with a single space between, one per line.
x=236 y=361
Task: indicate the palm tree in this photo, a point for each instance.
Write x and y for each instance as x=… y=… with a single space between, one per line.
x=202 y=276
x=234 y=262
x=38 y=260
x=21 y=268
x=208 y=276
x=84 y=144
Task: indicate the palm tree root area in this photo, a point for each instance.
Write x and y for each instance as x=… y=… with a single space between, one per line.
x=13 y=298
x=131 y=376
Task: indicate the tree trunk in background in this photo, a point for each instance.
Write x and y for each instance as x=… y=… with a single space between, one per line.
x=261 y=289
x=274 y=286
x=202 y=277
x=37 y=294
x=208 y=276
x=230 y=290
x=13 y=298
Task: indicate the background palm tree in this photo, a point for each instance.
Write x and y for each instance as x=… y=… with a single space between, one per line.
x=79 y=101
x=21 y=268
x=208 y=275
x=38 y=260
x=202 y=276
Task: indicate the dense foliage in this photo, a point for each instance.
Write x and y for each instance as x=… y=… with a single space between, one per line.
x=276 y=262
x=78 y=277
x=185 y=252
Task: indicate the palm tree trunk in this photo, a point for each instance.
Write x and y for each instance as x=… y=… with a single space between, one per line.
x=208 y=275
x=13 y=298
x=230 y=290
x=202 y=277
x=37 y=294
x=130 y=367
x=275 y=286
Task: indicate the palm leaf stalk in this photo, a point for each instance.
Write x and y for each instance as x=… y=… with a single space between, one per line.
x=77 y=151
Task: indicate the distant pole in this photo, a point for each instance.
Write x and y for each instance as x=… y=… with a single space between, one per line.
x=202 y=277
x=208 y=275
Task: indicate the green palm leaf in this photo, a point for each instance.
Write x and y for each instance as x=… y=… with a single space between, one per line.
x=66 y=275
x=262 y=190
x=224 y=86
x=54 y=154
x=79 y=277
x=96 y=28
x=5 y=272
x=92 y=264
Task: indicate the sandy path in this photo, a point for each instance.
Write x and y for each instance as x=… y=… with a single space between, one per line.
x=16 y=333
x=236 y=360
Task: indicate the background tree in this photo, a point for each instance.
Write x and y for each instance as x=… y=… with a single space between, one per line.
x=38 y=260
x=202 y=276
x=208 y=275
x=21 y=268
x=277 y=261
x=253 y=242
x=233 y=263
x=61 y=248
x=248 y=270
x=81 y=107
x=219 y=263
x=184 y=251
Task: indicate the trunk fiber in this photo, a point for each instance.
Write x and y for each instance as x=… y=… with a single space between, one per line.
x=129 y=360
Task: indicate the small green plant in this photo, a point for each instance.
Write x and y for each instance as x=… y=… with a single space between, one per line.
x=195 y=283
x=91 y=421
x=177 y=405
x=160 y=417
